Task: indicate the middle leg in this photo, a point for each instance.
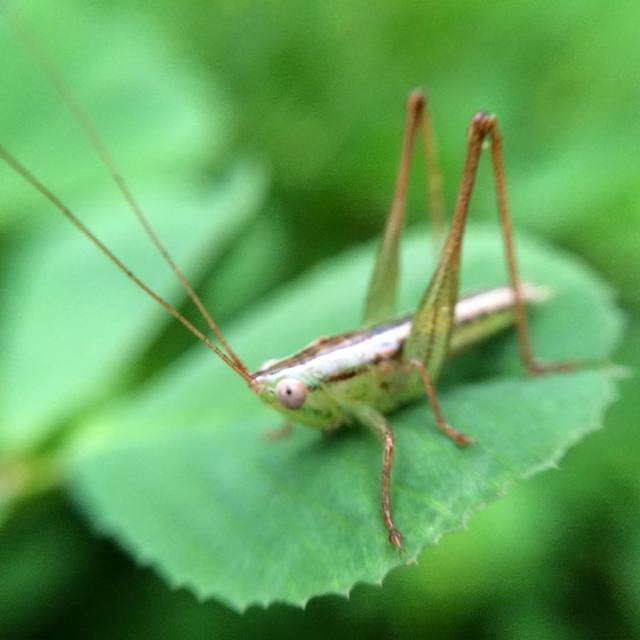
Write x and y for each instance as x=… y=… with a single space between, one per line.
x=434 y=403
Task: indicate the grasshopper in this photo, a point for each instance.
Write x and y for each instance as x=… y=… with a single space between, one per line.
x=360 y=376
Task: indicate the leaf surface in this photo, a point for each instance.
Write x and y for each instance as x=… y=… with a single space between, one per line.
x=153 y=114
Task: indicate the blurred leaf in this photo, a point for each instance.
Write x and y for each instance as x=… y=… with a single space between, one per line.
x=180 y=475
x=256 y=262
x=154 y=114
x=564 y=83
x=71 y=325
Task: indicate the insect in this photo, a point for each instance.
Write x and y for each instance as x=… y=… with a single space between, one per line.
x=357 y=378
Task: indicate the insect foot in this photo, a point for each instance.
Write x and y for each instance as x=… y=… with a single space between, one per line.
x=395 y=538
x=459 y=438
x=279 y=433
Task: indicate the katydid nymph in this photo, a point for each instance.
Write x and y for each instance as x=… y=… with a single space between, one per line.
x=357 y=378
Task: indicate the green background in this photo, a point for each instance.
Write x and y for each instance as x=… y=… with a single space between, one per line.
x=294 y=111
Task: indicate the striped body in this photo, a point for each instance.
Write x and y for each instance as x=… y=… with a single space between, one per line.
x=367 y=367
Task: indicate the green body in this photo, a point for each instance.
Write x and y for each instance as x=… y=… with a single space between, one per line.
x=369 y=367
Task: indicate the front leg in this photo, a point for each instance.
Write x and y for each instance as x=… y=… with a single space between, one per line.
x=377 y=423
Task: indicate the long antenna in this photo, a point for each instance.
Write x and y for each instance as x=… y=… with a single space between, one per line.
x=54 y=200
x=89 y=129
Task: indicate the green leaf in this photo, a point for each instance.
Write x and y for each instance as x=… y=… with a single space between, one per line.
x=154 y=115
x=182 y=478
x=70 y=327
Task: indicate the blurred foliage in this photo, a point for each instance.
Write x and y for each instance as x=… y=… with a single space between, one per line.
x=316 y=90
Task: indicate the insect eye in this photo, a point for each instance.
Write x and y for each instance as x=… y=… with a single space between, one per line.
x=291 y=392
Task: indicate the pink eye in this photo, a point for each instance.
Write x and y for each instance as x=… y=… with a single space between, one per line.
x=291 y=392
